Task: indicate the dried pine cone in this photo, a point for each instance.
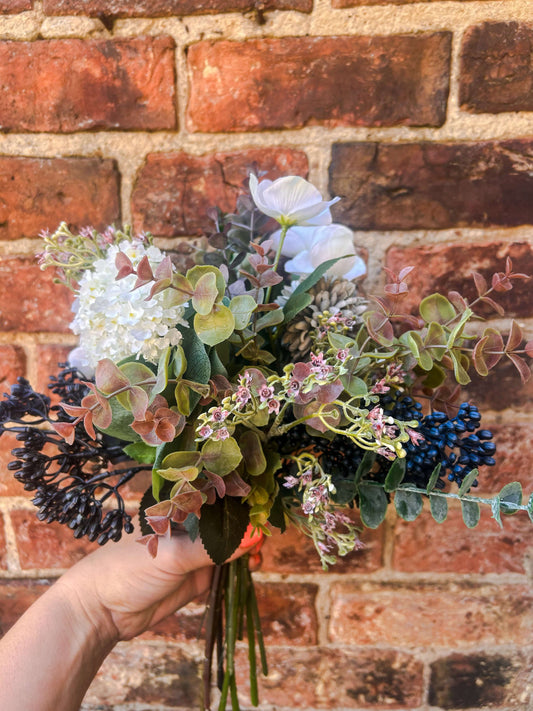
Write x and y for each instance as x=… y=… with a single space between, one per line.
x=333 y=296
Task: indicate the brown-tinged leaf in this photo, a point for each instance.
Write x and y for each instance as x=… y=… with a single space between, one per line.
x=151 y=541
x=138 y=401
x=521 y=366
x=481 y=283
x=493 y=304
x=514 y=338
x=458 y=301
x=66 y=430
x=108 y=377
x=123 y=265
x=529 y=348
x=235 y=485
x=144 y=273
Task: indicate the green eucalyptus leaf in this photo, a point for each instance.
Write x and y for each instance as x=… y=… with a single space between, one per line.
x=471 y=513
x=408 y=504
x=217 y=366
x=269 y=319
x=242 y=307
x=252 y=452
x=495 y=506
x=459 y=370
x=140 y=452
x=205 y=294
x=372 y=504
x=353 y=385
x=512 y=494
x=468 y=481
x=438 y=507
x=192 y=526
x=221 y=456
x=198 y=364
x=120 y=424
x=316 y=275
x=194 y=275
x=395 y=475
x=222 y=526
x=295 y=304
x=436 y=307
x=162 y=373
x=530 y=508
x=365 y=466
x=340 y=341
x=435 y=340
x=216 y=327
x=179 y=361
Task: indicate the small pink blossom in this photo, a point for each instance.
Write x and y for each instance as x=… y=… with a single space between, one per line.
x=218 y=414
x=343 y=354
x=222 y=433
x=273 y=406
x=380 y=387
x=415 y=436
x=205 y=431
x=242 y=396
x=387 y=453
x=266 y=393
x=290 y=481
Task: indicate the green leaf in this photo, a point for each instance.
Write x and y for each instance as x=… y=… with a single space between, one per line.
x=271 y=318
x=459 y=371
x=221 y=456
x=316 y=275
x=372 y=504
x=136 y=373
x=496 y=510
x=179 y=361
x=365 y=466
x=196 y=273
x=471 y=513
x=146 y=501
x=217 y=366
x=252 y=451
x=198 y=363
x=181 y=460
x=140 y=452
x=511 y=493
x=162 y=373
x=216 y=327
x=416 y=345
x=436 y=307
x=439 y=508
x=530 y=508
x=222 y=527
x=468 y=481
x=433 y=479
x=192 y=526
x=205 y=294
x=345 y=491
x=435 y=336
x=339 y=341
x=277 y=513
x=242 y=307
x=161 y=452
x=120 y=425
x=408 y=504
x=353 y=385
x=295 y=304
x=395 y=475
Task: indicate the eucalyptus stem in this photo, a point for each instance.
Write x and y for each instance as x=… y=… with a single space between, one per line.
x=282 y=236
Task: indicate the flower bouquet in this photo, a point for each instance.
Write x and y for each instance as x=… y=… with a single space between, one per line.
x=262 y=388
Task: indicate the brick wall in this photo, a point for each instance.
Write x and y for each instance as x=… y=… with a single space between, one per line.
x=419 y=115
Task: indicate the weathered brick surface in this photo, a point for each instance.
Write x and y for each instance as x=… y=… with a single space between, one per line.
x=9 y=486
x=450 y=547
x=292 y=552
x=141 y=672
x=404 y=615
x=46 y=545
x=3 y=561
x=496 y=68
x=299 y=81
x=481 y=680
x=39 y=193
x=448 y=267
x=29 y=299
x=501 y=390
x=48 y=357
x=16 y=597
x=173 y=191
x=358 y=3
x=163 y=8
x=11 y=7
x=77 y=85
x=333 y=678
x=426 y=185
x=514 y=457
x=12 y=365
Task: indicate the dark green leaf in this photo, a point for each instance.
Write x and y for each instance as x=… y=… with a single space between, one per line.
x=408 y=504
x=511 y=493
x=468 y=481
x=295 y=304
x=315 y=276
x=471 y=513
x=373 y=505
x=434 y=478
x=277 y=513
x=192 y=526
x=222 y=527
x=198 y=363
x=146 y=501
x=217 y=366
x=141 y=452
x=345 y=491
x=439 y=507
x=395 y=475
x=353 y=385
x=530 y=508
x=365 y=466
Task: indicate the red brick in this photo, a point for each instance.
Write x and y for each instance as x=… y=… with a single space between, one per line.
x=165 y=8
x=292 y=552
x=144 y=673
x=501 y=390
x=31 y=301
x=173 y=191
x=334 y=81
x=3 y=552
x=9 y=486
x=514 y=457
x=12 y=365
x=462 y=681
x=450 y=547
x=333 y=678
x=358 y=3
x=447 y=267
x=403 y=615
x=46 y=545
x=77 y=85
x=39 y=193
x=17 y=596
x=10 y=7
x=496 y=68
x=432 y=185
x=49 y=356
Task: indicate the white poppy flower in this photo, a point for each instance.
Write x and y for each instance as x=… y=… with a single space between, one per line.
x=309 y=247
x=291 y=200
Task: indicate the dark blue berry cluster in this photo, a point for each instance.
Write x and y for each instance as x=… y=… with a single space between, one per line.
x=457 y=444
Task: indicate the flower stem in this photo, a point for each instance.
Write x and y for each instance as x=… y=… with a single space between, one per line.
x=282 y=236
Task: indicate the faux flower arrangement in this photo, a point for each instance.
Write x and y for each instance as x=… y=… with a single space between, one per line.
x=262 y=389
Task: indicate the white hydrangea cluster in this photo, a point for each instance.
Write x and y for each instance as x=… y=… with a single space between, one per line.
x=115 y=322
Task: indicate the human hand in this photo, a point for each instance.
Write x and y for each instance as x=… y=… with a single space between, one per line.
x=125 y=591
